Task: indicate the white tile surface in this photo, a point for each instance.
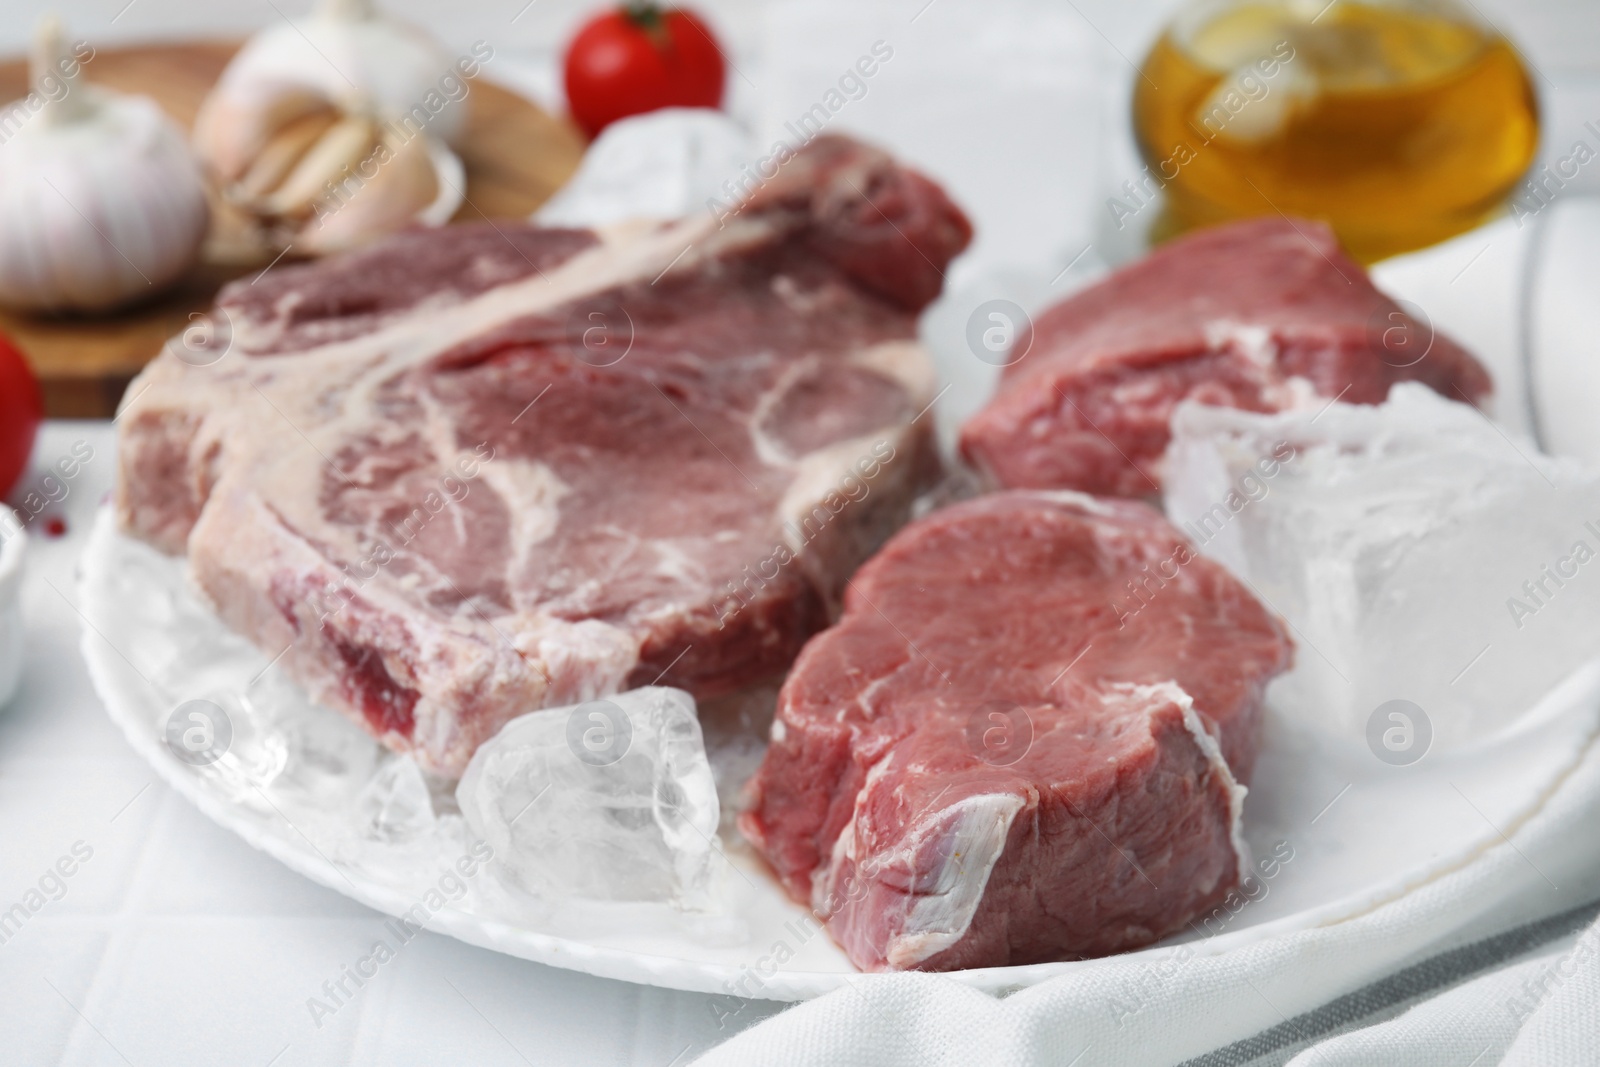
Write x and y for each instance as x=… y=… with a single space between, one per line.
x=180 y=944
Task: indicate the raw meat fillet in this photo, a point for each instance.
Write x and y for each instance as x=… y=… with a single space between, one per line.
x=1262 y=315
x=478 y=471
x=1023 y=741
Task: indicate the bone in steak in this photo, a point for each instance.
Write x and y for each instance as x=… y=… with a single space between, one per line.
x=477 y=471
x=1262 y=315
x=1023 y=741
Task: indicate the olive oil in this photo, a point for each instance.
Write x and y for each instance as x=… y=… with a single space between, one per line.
x=1400 y=124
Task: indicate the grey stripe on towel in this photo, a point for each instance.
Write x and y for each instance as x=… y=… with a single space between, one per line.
x=1388 y=997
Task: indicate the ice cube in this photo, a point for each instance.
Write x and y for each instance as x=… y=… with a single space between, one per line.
x=611 y=799
x=395 y=805
x=1419 y=552
x=217 y=735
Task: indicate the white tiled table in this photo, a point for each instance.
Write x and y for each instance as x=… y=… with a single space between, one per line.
x=177 y=943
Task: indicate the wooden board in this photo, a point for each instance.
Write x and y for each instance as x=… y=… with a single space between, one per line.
x=515 y=156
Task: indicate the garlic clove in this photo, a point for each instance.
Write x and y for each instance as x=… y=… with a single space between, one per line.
x=279 y=177
x=344 y=48
x=358 y=179
x=346 y=144
x=410 y=182
x=231 y=132
x=280 y=154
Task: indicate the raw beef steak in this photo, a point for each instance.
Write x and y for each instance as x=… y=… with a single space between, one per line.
x=1261 y=315
x=477 y=471
x=1023 y=741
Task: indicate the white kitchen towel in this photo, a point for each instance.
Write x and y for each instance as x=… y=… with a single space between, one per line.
x=1468 y=935
x=1495 y=962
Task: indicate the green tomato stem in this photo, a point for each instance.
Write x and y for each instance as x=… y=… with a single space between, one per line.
x=643 y=13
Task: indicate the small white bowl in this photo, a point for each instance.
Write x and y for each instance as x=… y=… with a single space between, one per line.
x=13 y=549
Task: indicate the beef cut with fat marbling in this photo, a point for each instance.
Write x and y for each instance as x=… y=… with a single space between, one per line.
x=480 y=470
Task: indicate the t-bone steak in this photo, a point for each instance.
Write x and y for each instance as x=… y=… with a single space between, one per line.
x=480 y=470
x=1262 y=315
x=1023 y=741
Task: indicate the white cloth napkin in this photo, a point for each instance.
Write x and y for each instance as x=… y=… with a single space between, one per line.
x=1497 y=962
x=660 y=165
x=1476 y=977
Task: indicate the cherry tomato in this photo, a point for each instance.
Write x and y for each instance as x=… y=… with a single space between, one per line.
x=638 y=58
x=21 y=408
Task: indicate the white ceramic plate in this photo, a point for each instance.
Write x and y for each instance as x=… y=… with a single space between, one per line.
x=1357 y=832
x=306 y=788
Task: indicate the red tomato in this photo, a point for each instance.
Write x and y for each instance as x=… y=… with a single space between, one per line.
x=638 y=58
x=21 y=408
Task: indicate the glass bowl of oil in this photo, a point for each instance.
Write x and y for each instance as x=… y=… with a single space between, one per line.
x=1398 y=122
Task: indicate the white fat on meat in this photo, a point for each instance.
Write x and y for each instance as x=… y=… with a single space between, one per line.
x=971 y=836
x=1254 y=343
x=974 y=832
x=1162 y=693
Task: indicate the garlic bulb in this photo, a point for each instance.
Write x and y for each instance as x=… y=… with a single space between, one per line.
x=331 y=131
x=344 y=49
x=101 y=202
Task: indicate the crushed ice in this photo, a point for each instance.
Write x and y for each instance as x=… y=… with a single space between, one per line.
x=655 y=847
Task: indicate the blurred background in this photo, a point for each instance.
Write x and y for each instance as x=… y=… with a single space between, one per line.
x=1021 y=109
x=1023 y=102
